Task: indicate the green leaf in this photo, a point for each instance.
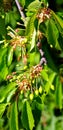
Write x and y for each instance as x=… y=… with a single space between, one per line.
x=53 y=34
x=14 y=117
x=3 y=73
x=3 y=62
x=34 y=6
x=42 y=28
x=60 y=40
x=10 y=56
x=12 y=19
x=51 y=77
x=44 y=75
x=30 y=25
x=3 y=53
x=58 y=21
x=49 y=83
x=7 y=18
x=39 y=127
x=5 y=90
x=33 y=40
x=27 y=116
x=2 y=108
x=45 y=2
x=34 y=58
x=18 y=51
x=2 y=27
x=58 y=93
x=11 y=94
x=22 y=2
x=39 y=105
x=49 y=58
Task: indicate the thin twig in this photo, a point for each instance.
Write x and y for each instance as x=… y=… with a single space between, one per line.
x=43 y=59
x=20 y=9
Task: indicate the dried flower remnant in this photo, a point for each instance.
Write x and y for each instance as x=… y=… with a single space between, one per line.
x=43 y=14
x=40 y=35
x=25 y=59
x=39 y=45
x=24 y=85
x=10 y=76
x=18 y=41
x=36 y=71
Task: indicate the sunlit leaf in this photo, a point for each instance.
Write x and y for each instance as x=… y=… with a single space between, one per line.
x=34 y=6
x=30 y=26
x=2 y=108
x=14 y=117
x=33 y=41
x=27 y=116
x=49 y=83
x=10 y=56
x=11 y=94
x=6 y=90
x=44 y=75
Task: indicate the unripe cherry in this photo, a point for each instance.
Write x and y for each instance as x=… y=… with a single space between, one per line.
x=52 y=86
x=36 y=92
x=31 y=96
x=40 y=89
x=22 y=91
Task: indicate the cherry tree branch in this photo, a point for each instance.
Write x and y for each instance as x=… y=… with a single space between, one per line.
x=20 y=9
x=43 y=59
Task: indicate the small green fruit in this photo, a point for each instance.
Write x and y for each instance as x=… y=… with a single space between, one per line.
x=31 y=96
x=36 y=92
x=40 y=90
x=52 y=87
x=22 y=92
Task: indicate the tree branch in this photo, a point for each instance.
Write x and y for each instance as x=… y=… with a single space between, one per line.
x=43 y=59
x=20 y=9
